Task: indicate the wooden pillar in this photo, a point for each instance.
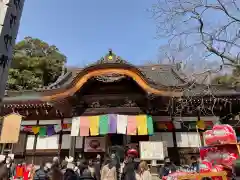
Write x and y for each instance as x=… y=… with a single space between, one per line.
x=200 y=133
x=35 y=144
x=172 y=105
x=83 y=146
x=72 y=146
x=60 y=140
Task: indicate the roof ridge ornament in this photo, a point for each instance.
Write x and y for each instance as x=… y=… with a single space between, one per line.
x=111 y=58
x=110 y=54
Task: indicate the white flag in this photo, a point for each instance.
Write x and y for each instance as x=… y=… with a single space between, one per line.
x=121 y=124
x=75 y=126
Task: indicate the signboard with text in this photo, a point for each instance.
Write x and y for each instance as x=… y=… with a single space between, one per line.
x=153 y=150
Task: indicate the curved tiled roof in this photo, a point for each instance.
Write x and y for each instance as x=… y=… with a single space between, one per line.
x=158 y=76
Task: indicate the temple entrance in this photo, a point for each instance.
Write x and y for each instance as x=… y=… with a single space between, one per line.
x=116 y=139
x=112 y=94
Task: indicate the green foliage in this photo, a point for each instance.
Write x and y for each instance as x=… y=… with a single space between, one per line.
x=232 y=79
x=224 y=80
x=35 y=64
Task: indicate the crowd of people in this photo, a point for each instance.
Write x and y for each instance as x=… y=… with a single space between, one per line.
x=108 y=168
x=93 y=169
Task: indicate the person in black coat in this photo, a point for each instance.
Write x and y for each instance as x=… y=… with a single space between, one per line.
x=3 y=171
x=168 y=168
x=55 y=173
x=86 y=175
x=129 y=169
x=11 y=167
x=70 y=175
x=42 y=173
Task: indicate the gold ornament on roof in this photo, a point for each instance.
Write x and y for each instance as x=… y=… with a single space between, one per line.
x=110 y=57
x=110 y=54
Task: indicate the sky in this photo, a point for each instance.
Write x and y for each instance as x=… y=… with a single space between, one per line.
x=84 y=30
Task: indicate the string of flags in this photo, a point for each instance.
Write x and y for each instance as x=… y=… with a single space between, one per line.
x=170 y=126
x=112 y=123
x=200 y=124
x=47 y=130
x=99 y=125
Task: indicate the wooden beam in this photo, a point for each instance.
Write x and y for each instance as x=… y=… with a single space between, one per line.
x=112 y=96
x=117 y=110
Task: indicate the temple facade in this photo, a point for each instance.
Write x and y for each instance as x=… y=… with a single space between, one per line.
x=114 y=86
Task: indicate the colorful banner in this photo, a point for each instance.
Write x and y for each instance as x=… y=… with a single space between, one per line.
x=47 y=130
x=164 y=125
x=142 y=124
x=75 y=126
x=42 y=131
x=112 y=123
x=203 y=125
x=84 y=126
x=132 y=125
x=150 y=127
x=122 y=121
x=94 y=125
x=101 y=125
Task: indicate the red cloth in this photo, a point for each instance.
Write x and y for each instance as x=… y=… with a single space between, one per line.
x=64 y=126
x=170 y=126
x=19 y=171
x=25 y=175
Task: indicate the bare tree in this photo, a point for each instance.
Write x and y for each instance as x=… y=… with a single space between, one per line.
x=199 y=33
x=208 y=28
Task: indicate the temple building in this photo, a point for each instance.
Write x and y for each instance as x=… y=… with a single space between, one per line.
x=114 y=86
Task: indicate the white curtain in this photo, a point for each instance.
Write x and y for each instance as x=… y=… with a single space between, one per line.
x=50 y=142
x=30 y=142
x=188 y=139
x=66 y=141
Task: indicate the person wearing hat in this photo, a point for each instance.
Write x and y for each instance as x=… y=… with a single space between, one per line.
x=167 y=168
x=128 y=172
x=132 y=153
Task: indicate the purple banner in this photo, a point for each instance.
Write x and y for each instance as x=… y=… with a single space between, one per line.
x=112 y=123
x=50 y=130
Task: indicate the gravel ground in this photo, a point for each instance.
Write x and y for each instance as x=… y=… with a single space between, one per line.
x=154 y=177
